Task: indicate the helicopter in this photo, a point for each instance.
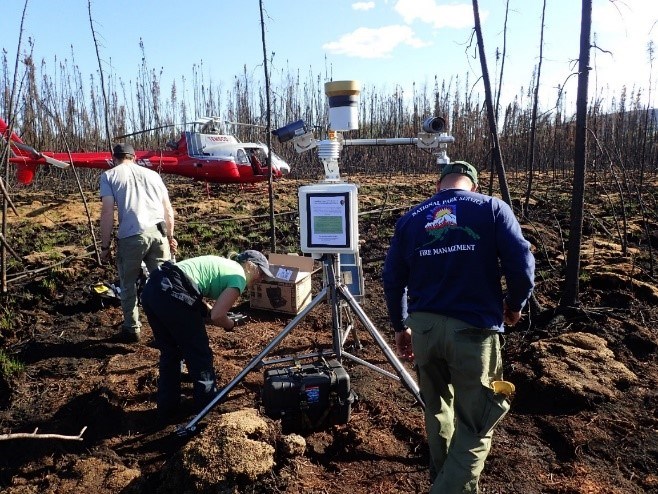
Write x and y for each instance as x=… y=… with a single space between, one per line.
x=206 y=154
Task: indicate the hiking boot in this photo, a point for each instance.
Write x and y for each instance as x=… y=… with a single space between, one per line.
x=128 y=337
x=167 y=415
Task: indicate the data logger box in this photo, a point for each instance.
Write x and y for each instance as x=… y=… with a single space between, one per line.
x=328 y=217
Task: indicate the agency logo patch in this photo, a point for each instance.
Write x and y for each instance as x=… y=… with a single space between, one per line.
x=442 y=219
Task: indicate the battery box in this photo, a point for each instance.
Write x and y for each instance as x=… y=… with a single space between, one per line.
x=308 y=396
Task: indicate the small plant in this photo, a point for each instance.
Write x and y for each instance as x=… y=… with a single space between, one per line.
x=8 y=365
x=7 y=318
x=48 y=285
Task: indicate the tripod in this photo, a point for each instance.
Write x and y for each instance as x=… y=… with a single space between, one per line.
x=335 y=292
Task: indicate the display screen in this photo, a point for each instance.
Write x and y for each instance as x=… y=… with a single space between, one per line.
x=328 y=220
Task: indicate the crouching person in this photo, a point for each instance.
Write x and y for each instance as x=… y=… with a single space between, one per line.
x=173 y=300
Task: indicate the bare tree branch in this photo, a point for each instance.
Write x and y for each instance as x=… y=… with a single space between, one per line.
x=34 y=435
x=26 y=274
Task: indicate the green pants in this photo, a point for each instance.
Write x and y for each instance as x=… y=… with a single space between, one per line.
x=456 y=364
x=150 y=247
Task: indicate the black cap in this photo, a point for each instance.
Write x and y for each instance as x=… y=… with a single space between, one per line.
x=121 y=149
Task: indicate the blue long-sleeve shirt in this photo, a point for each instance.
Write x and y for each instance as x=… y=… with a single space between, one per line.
x=450 y=252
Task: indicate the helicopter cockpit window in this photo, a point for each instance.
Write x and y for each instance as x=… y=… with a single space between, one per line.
x=241 y=157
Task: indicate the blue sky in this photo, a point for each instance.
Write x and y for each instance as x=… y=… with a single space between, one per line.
x=382 y=44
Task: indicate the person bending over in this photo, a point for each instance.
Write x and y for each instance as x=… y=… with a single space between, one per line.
x=174 y=302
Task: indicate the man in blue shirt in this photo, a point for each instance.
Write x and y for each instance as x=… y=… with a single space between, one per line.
x=444 y=268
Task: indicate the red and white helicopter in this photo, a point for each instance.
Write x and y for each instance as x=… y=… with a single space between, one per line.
x=206 y=155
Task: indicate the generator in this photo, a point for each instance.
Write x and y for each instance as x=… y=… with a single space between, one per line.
x=308 y=396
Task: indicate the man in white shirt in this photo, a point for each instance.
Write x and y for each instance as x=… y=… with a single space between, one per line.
x=146 y=227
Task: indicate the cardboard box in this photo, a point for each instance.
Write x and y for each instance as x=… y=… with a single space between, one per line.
x=290 y=292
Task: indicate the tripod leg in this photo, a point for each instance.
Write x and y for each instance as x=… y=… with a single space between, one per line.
x=255 y=362
x=349 y=329
x=405 y=377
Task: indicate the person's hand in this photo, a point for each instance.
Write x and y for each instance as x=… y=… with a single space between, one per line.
x=173 y=246
x=237 y=318
x=403 y=344
x=105 y=254
x=510 y=317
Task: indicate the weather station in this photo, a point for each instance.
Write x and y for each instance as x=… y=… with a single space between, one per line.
x=320 y=391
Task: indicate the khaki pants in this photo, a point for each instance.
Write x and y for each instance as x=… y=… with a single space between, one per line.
x=150 y=247
x=456 y=363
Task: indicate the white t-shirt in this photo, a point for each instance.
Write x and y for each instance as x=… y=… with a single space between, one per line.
x=138 y=193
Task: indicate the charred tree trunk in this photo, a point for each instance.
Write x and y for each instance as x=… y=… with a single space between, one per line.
x=570 y=290
x=502 y=62
x=4 y=246
x=270 y=183
x=535 y=307
x=491 y=116
x=533 y=121
x=500 y=84
x=645 y=137
x=102 y=77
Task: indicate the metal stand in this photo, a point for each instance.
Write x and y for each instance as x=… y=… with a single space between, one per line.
x=336 y=293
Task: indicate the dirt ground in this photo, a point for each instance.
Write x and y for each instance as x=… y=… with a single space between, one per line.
x=584 y=417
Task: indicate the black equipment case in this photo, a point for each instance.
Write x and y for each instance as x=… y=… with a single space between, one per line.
x=307 y=396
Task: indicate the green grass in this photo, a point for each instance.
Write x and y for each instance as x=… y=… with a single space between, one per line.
x=9 y=366
x=7 y=318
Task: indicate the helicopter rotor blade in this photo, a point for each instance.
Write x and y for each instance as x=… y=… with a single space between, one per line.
x=27 y=148
x=199 y=121
x=55 y=162
x=36 y=154
x=151 y=129
x=244 y=124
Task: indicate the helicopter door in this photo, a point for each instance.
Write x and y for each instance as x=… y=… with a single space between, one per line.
x=256 y=160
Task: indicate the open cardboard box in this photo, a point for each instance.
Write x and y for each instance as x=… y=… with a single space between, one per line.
x=290 y=292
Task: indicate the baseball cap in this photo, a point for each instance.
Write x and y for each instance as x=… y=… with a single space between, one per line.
x=121 y=149
x=258 y=259
x=461 y=167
